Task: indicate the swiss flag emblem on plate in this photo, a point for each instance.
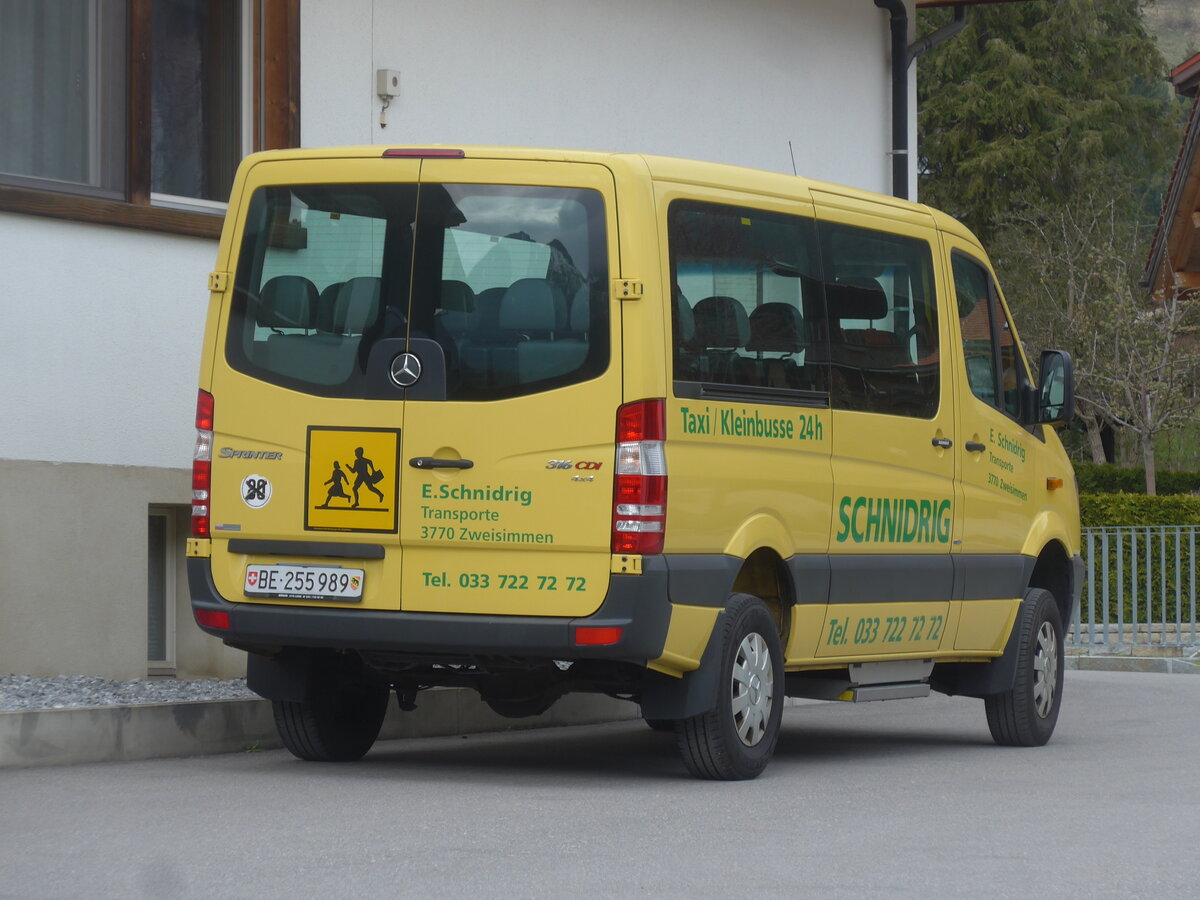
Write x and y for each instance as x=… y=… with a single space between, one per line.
x=252 y=579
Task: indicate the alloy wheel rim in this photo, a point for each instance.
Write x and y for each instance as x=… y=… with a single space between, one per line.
x=753 y=689
x=1045 y=670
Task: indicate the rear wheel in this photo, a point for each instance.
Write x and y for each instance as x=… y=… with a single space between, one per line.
x=1025 y=716
x=735 y=739
x=337 y=723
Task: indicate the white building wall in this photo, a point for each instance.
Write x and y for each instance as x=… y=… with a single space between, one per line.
x=100 y=348
x=726 y=82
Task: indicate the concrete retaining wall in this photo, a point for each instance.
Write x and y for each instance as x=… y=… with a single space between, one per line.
x=101 y=734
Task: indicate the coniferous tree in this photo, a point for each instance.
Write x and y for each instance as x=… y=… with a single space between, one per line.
x=1034 y=102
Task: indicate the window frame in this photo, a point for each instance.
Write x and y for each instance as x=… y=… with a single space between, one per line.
x=275 y=97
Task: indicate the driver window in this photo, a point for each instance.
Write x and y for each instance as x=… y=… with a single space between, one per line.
x=995 y=369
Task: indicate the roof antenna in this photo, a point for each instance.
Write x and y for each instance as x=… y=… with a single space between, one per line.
x=793 y=153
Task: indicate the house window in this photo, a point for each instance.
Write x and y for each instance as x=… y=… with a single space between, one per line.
x=197 y=131
x=137 y=112
x=62 y=80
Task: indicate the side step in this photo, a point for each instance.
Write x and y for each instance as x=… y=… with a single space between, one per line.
x=863 y=682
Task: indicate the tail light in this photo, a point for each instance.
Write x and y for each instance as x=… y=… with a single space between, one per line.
x=202 y=465
x=640 y=482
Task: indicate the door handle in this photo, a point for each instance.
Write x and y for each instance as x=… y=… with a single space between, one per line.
x=975 y=447
x=430 y=462
x=943 y=443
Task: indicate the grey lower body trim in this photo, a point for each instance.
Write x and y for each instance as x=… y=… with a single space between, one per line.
x=890 y=579
x=911 y=579
x=704 y=579
x=701 y=579
x=992 y=577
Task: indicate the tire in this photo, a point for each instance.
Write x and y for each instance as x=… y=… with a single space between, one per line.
x=338 y=723
x=734 y=740
x=1025 y=716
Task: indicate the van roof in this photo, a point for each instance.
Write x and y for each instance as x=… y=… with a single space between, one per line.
x=660 y=168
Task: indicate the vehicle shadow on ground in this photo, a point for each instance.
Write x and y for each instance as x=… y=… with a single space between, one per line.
x=631 y=750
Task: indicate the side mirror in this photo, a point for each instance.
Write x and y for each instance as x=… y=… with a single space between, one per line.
x=1056 y=390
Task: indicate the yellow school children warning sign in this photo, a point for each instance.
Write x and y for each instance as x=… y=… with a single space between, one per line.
x=351 y=479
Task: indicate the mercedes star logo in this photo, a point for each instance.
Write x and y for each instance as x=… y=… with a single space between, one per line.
x=405 y=370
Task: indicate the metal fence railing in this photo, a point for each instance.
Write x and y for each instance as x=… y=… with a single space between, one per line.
x=1139 y=589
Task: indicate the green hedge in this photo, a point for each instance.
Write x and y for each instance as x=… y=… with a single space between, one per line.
x=1100 y=510
x=1104 y=479
x=1155 y=563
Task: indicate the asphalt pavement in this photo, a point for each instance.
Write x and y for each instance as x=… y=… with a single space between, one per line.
x=907 y=798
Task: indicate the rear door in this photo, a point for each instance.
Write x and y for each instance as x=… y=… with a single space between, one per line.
x=506 y=471
x=307 y=444
x=420 y=386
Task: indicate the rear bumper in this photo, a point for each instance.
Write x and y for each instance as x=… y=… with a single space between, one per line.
x=637 y=604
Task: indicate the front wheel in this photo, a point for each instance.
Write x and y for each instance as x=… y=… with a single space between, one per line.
x=1025 y=715
x=735 y=739
x=337 y=723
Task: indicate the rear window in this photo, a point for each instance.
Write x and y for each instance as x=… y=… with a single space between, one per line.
x=510 y=282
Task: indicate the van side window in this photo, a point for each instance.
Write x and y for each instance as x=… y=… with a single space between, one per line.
x=883 y=328
x=746 y=302
x=995 y=369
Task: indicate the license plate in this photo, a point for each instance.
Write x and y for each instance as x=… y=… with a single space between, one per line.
x=304 y=582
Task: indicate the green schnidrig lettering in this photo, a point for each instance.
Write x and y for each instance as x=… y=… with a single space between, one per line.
x=893 y=520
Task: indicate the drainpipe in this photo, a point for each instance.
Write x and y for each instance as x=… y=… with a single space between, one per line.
x=899 y=16
x=902 y=57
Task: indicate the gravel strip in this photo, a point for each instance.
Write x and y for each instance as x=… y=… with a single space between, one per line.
x=23 y=692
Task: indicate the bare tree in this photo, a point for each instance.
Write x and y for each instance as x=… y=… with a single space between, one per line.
x=1070 y=272
x=1144 y=366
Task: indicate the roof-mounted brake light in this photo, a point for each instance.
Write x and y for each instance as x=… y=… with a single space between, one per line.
x=422 y=153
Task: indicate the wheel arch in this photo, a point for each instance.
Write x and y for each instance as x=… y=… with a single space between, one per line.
x=765 y=575
x=762 y=574
x=1053 y=572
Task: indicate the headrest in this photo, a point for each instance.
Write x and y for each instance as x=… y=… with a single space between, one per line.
x=357 y=305
x=327 y=306
x=721 y=322
x=858 y=298
x=776 y=327
x=532 y=304
x=684 y=321
x=287 y=301
x=457 y=296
